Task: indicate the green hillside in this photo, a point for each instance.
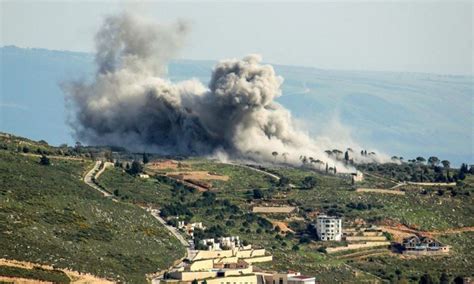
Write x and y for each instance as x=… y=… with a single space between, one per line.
x=227 y=210
x=49 y=215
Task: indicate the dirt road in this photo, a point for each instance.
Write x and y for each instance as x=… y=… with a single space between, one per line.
x=96 y=172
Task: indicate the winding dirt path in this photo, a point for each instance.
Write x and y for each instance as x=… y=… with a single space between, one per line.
x=190 y=252
x=95 y=172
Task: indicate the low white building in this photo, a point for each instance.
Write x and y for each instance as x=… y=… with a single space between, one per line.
x=329 y=228
x=284 y=278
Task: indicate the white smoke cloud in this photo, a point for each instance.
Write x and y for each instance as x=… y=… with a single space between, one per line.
x=129 y=103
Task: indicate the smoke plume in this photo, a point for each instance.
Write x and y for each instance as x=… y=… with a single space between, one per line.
x=130 y=103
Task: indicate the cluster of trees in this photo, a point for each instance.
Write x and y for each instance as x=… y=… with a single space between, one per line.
x=133 y=169
x=362 y=206
x=443 y=279
x=416 y=170
x=175 y=209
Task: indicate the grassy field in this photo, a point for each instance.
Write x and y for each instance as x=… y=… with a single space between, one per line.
x=136 y=190
x=48 y=215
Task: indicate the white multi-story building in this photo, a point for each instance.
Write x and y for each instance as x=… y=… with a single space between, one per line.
x=329 y=228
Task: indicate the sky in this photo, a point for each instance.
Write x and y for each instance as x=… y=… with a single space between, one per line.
x=403 y=36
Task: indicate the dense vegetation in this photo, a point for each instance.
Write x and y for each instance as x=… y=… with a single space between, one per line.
x=37 y=273
x=48 y=215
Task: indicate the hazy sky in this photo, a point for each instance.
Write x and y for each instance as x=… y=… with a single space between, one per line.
x=412 y=36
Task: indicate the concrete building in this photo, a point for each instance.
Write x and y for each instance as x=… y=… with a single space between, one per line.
x=222 y=243
x=284 y=278
x=219 y=267
x=329 y=228
x=423 y=246
x=190 y=227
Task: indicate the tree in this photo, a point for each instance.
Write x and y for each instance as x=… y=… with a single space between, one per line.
x=285 y=156
x=433 y=161
x=44 y=161
x=444 y=278
x=346 y=156
x=26 y=149
x=145 y=158
x=327 y=168
x=458 y=280
x=426 y=279
x=337 y=152
x=335 y=170
x=420 y=160
x=257 y=194
x=195 y=282
x=284 y=182
x=309 y=182
x=446 y=164
x=136 y=168
x=108 y=155
x=274 y=154
x=304 y=160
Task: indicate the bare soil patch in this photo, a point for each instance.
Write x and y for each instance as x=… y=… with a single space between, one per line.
x=282 y=225
x=273 y=209
x=166 y=165
x=197 y=175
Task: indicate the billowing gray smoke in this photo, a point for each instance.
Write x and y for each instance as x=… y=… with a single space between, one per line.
x=130 y=104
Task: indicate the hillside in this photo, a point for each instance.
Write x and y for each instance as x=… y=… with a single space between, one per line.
x=382 y=110
x=48 y=215
x=226 y=209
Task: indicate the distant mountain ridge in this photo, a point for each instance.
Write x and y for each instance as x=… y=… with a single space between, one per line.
x=406 y=114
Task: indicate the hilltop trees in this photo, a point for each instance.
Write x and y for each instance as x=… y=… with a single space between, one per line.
x=433 y=161
x=346 y=156
x=420 y=160
x=446 y=164
x=463 y=170
x=145 y=158
x=274 y=154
